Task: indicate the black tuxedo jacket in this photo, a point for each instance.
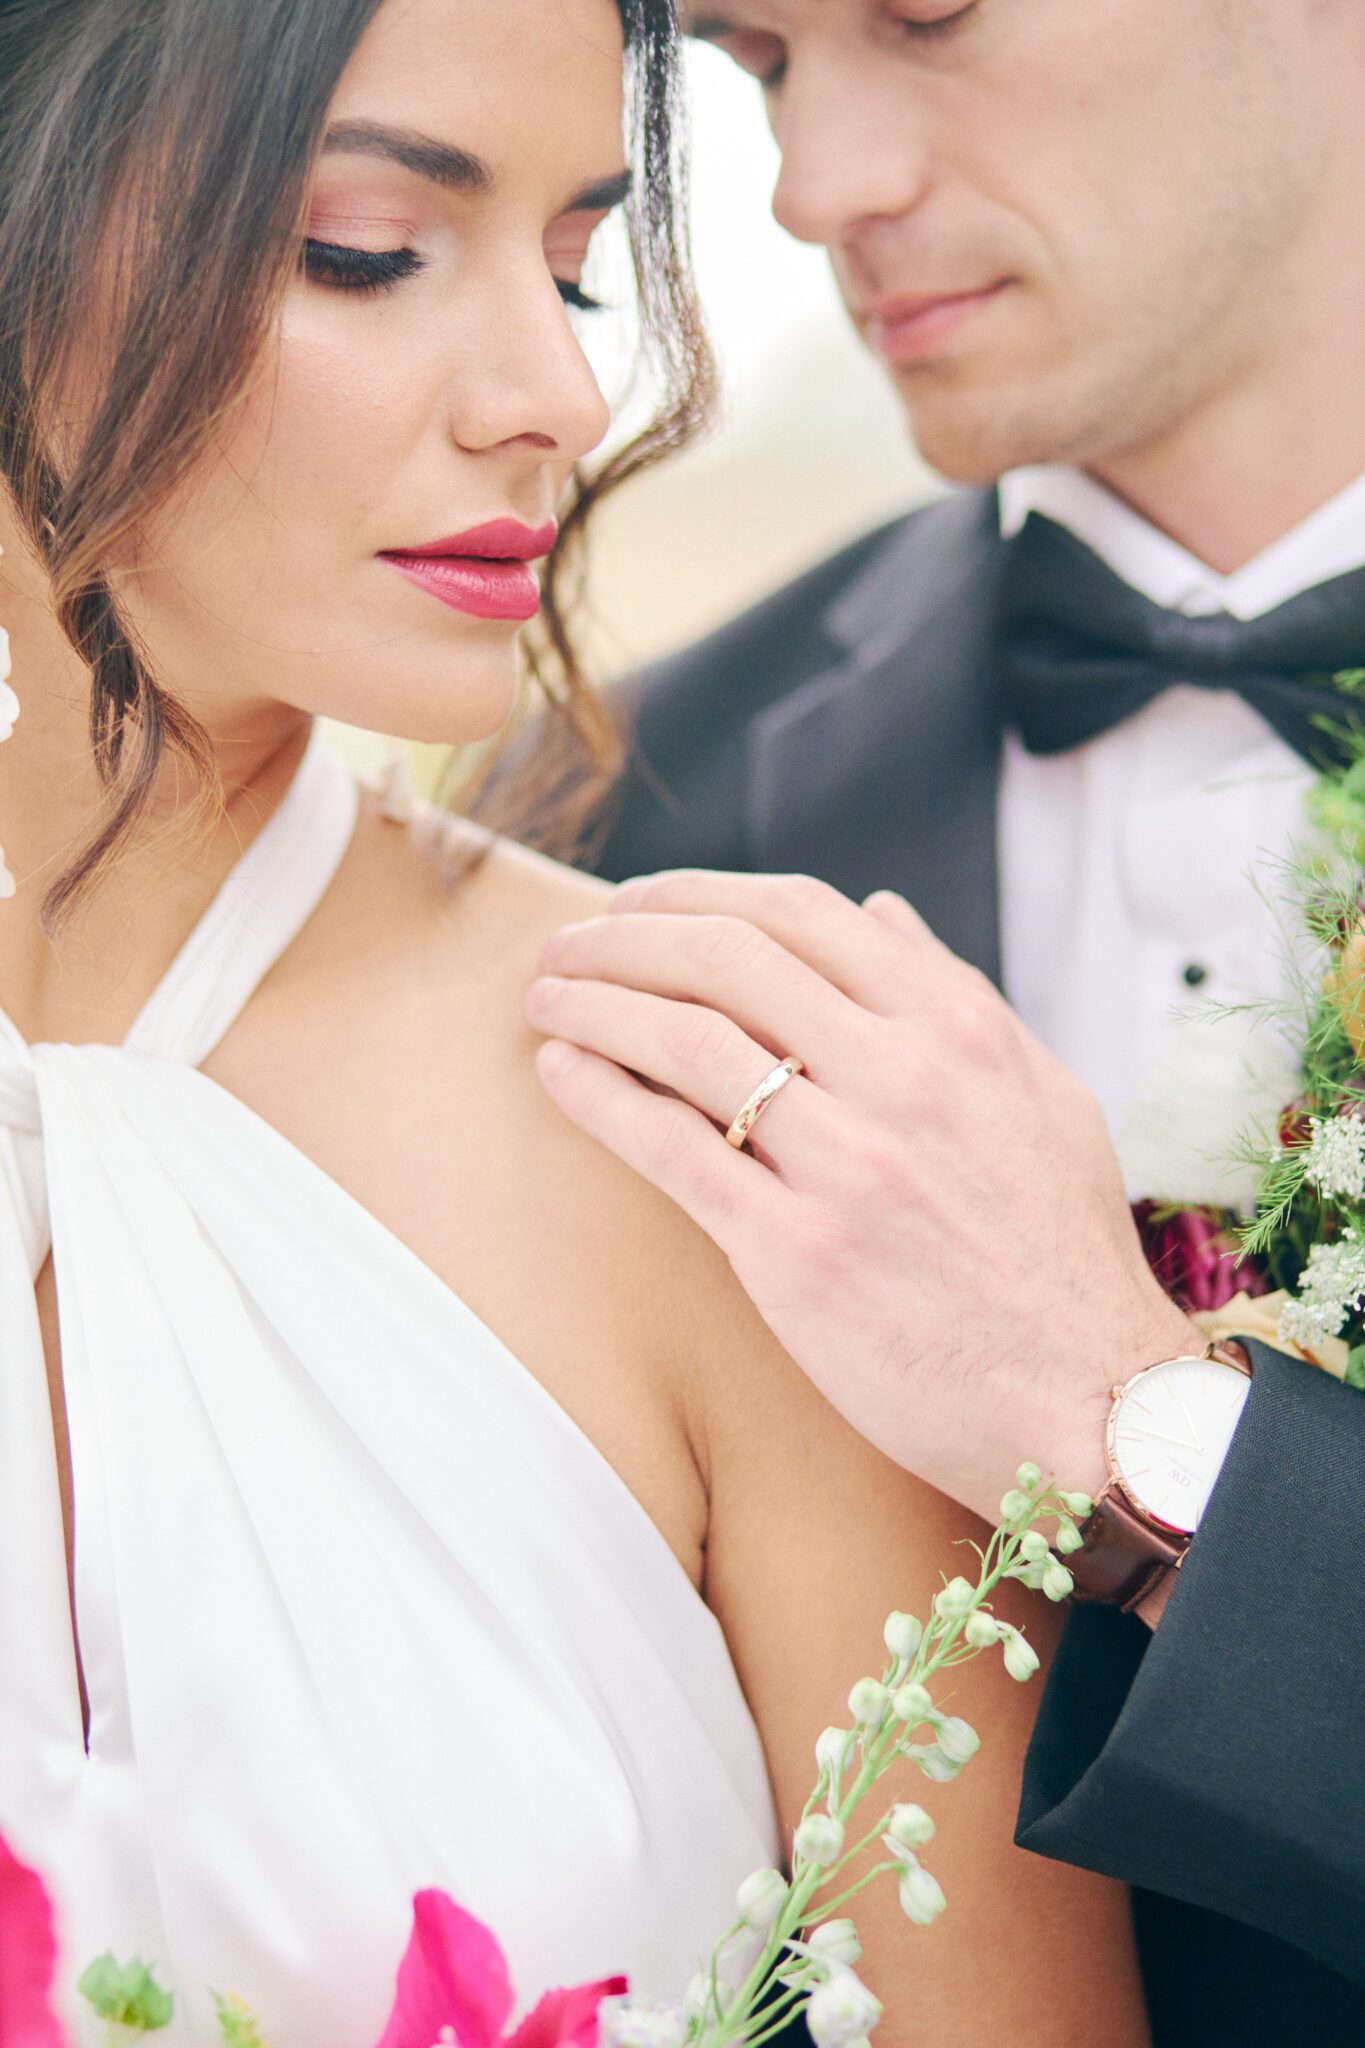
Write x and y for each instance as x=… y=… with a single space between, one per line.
x=848 y=728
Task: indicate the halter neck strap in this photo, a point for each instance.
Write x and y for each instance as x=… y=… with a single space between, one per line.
x=262 y=906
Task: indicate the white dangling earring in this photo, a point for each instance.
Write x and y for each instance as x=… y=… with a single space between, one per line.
x=9 y=711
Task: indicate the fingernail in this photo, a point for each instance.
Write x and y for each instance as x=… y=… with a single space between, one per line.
x=543 y=990
x=555 y=1057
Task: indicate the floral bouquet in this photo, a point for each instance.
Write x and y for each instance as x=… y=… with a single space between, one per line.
x=792 y=1945
x=1291 y=1270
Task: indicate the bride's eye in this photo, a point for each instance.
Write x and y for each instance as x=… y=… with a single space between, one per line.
x=925 y=27
x=357 y=270
x=575 y=296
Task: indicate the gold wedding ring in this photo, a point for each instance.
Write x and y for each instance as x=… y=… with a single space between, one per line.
x=738 y=1133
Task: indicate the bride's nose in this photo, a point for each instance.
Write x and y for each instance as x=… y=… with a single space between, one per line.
x=530 y=381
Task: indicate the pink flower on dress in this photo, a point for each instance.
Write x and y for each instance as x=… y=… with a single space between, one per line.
x=453 y=1987
x=1194 y=1255
x=28 y=1958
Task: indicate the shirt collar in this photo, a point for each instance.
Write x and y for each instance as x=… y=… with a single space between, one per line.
x=1330 y=542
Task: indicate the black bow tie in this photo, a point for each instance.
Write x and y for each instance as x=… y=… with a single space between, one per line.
x=1079 y=650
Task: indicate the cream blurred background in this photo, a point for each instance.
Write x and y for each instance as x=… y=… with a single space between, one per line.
x=811 y=448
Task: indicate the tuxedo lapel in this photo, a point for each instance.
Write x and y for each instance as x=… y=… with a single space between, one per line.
x=883 y=770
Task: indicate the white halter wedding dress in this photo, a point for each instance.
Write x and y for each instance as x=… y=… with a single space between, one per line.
x=359 y=1608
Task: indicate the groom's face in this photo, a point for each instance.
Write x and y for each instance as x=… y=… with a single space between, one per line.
x=1065 y=225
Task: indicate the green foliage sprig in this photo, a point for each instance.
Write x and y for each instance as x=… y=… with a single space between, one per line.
x=792 y=1947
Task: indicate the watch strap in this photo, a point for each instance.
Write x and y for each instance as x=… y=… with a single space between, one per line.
x=1123 y=1554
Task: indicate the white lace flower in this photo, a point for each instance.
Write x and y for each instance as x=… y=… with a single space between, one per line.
x=1336 y=1156
x=1330 y=1286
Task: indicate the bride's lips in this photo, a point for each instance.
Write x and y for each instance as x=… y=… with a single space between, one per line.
x=901 y=329
x=485 y=572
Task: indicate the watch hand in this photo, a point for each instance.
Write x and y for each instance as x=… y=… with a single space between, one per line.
x=1160 y=1436
x=1189 y=1424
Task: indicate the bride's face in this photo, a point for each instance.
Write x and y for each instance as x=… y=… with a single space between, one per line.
x=425 y=381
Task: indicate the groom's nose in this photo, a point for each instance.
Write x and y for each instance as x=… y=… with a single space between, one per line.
x=853 y=149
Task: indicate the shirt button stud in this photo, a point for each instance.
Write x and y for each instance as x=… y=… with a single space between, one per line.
x=1195 y=975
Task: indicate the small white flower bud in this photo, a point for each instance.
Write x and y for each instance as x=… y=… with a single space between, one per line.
x=1069 y=1538
x=1078 y=1504
x=958 y=1739
x=911 y=1703
x=937 y=1766
x=1030 y=1575
x=982 y=1629
x=868 y=1702
x=1015 y=1506
x=902 y=1636
x=1021 y=1659
x=922 y=1897
x=1034 y=1546
x=956 y=1601
x=1029 y=1477
x=820 y=1838
x=835 y=1942
x=910 y=1825
x=633 y=2021
x=832 y=1751
x=698 y=1997
x=761 y=1898
x=841 y=2011
x=1057 y=1580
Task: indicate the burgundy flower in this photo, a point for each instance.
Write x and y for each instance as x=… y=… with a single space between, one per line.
x=28 y=1958
x=1194 y=1255
x=453 y=1987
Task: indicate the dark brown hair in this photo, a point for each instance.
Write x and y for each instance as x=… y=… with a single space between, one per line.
x=166 y=146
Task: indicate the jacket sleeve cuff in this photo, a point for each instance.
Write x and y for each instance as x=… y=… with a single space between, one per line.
x=1218 y=1761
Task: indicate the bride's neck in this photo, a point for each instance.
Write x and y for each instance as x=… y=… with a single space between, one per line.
x=125 y=929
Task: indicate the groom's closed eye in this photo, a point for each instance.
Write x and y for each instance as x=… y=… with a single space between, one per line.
x=758 y=51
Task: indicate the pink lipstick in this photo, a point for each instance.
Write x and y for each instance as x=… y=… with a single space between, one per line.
x=485 y=572
x=902 y=329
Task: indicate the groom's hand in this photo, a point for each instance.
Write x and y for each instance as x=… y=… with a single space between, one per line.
x=931 y=1219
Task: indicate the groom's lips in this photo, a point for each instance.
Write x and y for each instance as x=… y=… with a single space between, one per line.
x=901 y=330
x=485 y=571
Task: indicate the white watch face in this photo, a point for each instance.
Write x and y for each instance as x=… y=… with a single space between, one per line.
x=1171 y=1435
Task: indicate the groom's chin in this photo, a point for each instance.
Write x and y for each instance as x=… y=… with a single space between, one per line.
x=972 y=432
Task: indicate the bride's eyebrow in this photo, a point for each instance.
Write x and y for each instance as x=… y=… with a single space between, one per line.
x=458 y=170
x=442 y=162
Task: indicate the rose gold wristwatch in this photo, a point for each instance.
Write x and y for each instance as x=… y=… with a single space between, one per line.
x=1170 y=1430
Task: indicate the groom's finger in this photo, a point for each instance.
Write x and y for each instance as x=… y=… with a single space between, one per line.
x=663 y=1140
x=731 y=967
x=880 y=966
x=696 y=1053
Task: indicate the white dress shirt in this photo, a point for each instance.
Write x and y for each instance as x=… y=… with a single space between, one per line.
x=1142 y=873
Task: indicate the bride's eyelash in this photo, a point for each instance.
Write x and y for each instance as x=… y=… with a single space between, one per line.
x=357 y=270
x=574 y=295
x=379 y=270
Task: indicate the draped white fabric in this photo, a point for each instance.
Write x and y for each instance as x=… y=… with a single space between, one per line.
x=360 y=1609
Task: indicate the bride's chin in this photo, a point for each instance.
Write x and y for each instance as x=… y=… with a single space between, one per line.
x=463 y=706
